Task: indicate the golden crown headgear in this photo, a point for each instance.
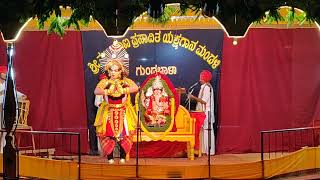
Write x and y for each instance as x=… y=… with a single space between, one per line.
x=114 y=53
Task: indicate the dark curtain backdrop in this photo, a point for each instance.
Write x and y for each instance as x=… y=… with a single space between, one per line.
x=49 y=70
x=270 y=80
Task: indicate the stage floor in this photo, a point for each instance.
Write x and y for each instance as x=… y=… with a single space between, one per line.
x=216 y=159
x=176 y=168
x=225 y=166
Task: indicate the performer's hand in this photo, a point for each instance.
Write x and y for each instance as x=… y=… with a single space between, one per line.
x=112 y=88
x=124 y=90
x=116 y=90
x=109 y=91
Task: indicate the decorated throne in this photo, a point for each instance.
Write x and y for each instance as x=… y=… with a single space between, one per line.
x=161 y=116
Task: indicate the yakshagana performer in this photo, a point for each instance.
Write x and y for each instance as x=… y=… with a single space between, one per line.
x=116 y=116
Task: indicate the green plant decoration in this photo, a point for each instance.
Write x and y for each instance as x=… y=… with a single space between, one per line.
x=117 y=15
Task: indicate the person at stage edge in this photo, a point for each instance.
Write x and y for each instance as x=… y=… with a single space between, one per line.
x=205 y=103
x=20 y=96
x=97 y=102
x=115 y=116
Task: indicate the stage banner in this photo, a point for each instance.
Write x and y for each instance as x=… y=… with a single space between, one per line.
x=179 y=54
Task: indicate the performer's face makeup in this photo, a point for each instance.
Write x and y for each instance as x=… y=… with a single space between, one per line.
x=114 y=72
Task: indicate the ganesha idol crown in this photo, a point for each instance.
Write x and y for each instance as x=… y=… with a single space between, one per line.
x=157 y=84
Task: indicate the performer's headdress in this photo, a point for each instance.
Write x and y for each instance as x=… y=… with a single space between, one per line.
x=113 y=53
x=206 y=76
x=3 y=69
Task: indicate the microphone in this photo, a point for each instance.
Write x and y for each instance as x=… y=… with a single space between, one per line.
x=190 y=90
x=193 y=85
x=188 y=99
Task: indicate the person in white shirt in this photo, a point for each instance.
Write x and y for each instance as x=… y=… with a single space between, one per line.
x=20 y=96
x=205 y=103
x=98 y=100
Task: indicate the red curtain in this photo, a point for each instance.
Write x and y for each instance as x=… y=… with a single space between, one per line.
x=3 y=53
x=270 y=80
x=159 y=149
x=49 y=70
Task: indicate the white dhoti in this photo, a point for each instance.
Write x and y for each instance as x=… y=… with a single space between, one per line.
x=205 y=138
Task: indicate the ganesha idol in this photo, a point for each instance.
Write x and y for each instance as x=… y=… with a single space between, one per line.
x=158 y=104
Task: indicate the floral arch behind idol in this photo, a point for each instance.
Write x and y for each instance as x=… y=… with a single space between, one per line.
x=157 y=105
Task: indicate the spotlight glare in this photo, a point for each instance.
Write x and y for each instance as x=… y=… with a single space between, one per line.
x=12 y=73
x=11 y=52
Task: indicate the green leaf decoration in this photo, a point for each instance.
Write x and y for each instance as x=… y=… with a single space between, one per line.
x=301 y=18
x=290 y=17
x=83 y=11
x=57 y=25
x=274 y=16
x=165 y=17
